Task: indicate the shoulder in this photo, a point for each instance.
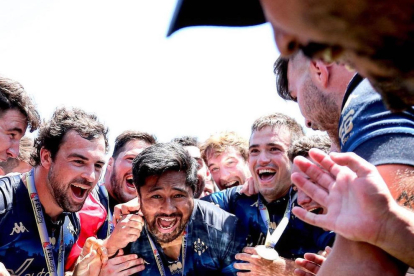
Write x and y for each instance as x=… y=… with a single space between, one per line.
x=213 y=216
x=8 y=187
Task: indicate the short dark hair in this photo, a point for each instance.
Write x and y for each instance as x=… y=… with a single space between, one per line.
x=186 y=141
x=160 y=158
x=280 y=69
x=13 y=96
x=279 y=120
x=129 y=135
x=52 y=133
x=302 y=146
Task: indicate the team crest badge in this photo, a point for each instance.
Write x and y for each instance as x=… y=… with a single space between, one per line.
x=199 y=247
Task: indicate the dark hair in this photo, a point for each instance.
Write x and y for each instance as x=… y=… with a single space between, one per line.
x=52 y=133
x=279 y=120
x=186 y=141
x=13 y=96
x=280 y=69
x=302 y=146
x=160 y=158
x=129 y=135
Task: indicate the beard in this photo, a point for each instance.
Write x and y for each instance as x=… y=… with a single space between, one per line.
x=60 y=191
x=117 y=189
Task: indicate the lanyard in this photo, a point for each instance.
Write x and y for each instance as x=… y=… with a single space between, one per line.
x=157 y=254
x=109 y=212
x=272 y=239
x=41 y=227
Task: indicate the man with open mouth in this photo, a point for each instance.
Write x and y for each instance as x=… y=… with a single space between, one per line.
x=225 y=154
x=97 y=214
x=182 y=235
x=37 y=219
x=262 y=213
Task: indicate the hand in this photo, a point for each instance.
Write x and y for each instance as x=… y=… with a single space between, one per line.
x=123 y=265
x=311 y=262
x=3 y=270
x=249 y=188
x=131 y=206
x=89 y=261
x=127 y=230
x=356 y=197
x=259 y=266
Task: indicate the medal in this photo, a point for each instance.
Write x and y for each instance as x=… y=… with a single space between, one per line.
x=267 y=253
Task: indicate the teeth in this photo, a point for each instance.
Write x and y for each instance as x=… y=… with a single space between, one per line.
x=230 y=183
x=166 y=219
x=80 y=187
x=266 y=171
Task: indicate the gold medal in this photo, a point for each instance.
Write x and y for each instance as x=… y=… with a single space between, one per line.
x=267 y=253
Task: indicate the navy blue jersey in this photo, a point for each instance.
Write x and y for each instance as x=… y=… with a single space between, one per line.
x=298 y=237
x=21 y=249
x=369 y=129
x=212 y=243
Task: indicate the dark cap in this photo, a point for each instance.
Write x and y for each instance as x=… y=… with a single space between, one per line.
x=234 y=13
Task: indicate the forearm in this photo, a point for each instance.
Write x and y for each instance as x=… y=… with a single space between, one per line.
x=358 y=258
x=397 y=236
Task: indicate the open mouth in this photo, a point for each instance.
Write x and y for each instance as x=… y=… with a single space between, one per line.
x=78 y=191
x=231 y=184
x=316 y=211
x=266 y=174
x=130 y=182
x=167 y=224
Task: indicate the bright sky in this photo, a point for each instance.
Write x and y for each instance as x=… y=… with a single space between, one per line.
x=112 y=58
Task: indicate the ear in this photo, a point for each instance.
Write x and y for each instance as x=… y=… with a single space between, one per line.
x=45 y=158
x=108 y=170
x=320 y=72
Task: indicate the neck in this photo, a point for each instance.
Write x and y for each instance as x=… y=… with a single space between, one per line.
x=269 y=197
x=52 y=209
x=173 y=249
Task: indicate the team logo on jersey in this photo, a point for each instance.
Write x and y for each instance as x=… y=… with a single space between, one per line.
x=346 y=126
x=256 y=204
x=17 y=229
x=199 y=247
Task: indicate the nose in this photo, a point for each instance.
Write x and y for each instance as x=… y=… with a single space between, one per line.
x=89 y=173
x=308 y=123
x=303 y=199
x=287 y=43
x=168 y=206
x=13 y=150
x=263 y=158
x=224 y=174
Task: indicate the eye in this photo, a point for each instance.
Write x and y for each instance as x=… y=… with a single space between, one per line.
x=78 y=161
x=156 y=196
x=274 y=149
x=214 y=170
x=253 y=151
x=179 y=196
x=98 y=166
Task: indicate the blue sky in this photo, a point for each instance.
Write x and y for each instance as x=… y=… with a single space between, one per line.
x=113 y=58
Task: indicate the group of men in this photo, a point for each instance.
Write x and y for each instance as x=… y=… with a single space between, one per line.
x=58 y=219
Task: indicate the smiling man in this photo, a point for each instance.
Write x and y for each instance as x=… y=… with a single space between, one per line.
x=225 y=154
x=17 y=112
x=182 y=235
x=37 y=219
x=270 y=167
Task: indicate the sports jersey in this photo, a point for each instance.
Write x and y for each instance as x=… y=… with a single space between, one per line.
x=369 y=129
x=298 y=237
x=21 y=249
x=211 y=244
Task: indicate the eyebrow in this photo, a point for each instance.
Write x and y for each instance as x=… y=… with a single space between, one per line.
x=154 y=189
x=76 y=155
x=17 y=129
x=268 y=145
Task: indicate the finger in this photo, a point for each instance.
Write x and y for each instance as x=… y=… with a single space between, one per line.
x=132 y=270
x=130 y=263
x=243 y=266
x=250 y=250
x=123 y=259
x=314 y=191
x=357 y=164
x=315 y=258
x=103 y=253
x=328 y=250
x=310 y=218
x=305 y=264
x=300 y=272
x=315 y=173
x=82 y=266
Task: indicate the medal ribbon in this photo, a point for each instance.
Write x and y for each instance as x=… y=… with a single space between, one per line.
x=41 y=227
x=157 y=254
x=109 y=217
x=272 y=239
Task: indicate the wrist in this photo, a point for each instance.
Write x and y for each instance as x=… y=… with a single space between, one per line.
x=111 y=247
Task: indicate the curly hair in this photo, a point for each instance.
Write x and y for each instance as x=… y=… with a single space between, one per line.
x=186 y=141
x=218 y=143
x=13 y=96
x=52 y=133
x=302 y=146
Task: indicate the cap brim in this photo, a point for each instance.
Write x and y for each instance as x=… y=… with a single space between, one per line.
x=234 y=13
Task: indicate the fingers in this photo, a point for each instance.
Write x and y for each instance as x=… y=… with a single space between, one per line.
x=357 y=164
x=125 y=208
x=316 y=192
x=310 y=218
x=315 y=173
x=308 y=265
x=250 y=250
x=82 y=267
x=315 y=258
x=123 y=265
x=300 y=272
x=92 y=243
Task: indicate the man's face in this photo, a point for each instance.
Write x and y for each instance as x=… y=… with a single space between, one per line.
x=269 y=163
x=13 y=125
x=201 y=169
x=228 y=169
x=122 y=185
x=371 y=36
x=167 y=203
x=75 y=170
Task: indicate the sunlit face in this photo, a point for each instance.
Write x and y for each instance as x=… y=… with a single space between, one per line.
x=229 y=169
x=269 y=163
x=167 y=203
x=75 y=170
x=122 y=185
x=13 y=125
x=201 y=169
x=372 y=37
x=304 y=200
